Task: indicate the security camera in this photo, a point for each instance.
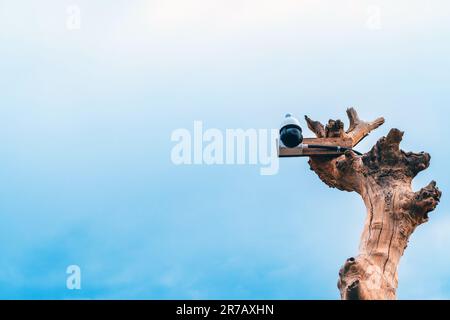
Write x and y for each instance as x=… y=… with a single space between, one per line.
x=293 y=145
x=291 y=132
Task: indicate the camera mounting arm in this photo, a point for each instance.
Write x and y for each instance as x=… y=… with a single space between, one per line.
x=316 y=147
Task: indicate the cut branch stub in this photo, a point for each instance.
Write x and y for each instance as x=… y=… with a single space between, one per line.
x=353 y=118
x=383 y=178
x=335 y=129
x=316 y=127
x=424 y=201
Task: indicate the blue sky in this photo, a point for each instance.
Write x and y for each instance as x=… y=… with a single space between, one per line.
x=86 y=118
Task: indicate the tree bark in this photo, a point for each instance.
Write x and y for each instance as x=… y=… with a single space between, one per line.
x=383 y=178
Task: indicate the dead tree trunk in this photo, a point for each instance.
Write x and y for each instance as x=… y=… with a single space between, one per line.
x=383 y=178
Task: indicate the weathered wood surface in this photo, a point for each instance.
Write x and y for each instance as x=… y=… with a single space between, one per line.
x=383 y=178
x=357 y=130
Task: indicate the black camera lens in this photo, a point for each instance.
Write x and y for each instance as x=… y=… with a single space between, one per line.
x=291 y=136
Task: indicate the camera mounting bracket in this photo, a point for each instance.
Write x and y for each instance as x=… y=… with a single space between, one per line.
x=301 y=151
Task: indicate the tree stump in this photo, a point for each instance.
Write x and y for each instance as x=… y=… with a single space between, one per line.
x=383 y=178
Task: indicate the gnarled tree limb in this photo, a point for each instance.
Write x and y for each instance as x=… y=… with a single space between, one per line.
x=383 y=178
x=357 y=130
